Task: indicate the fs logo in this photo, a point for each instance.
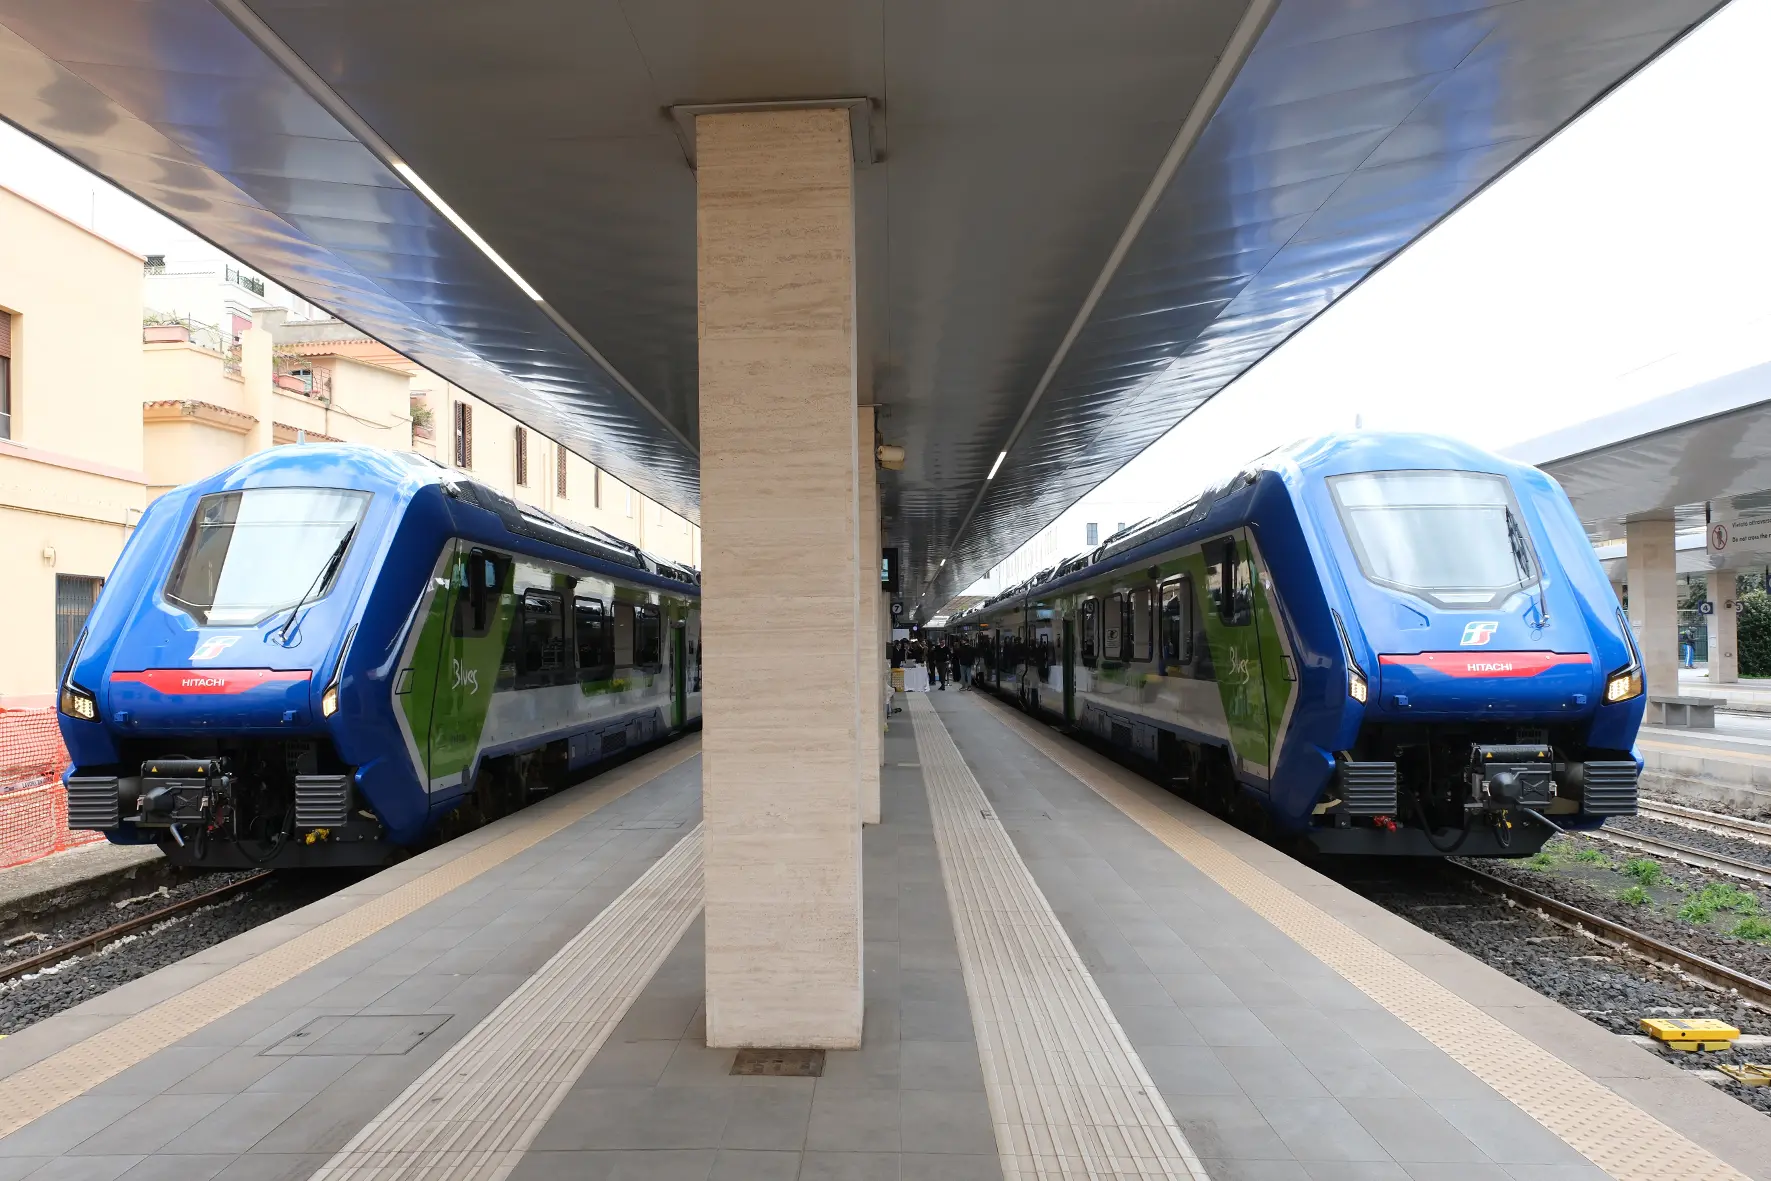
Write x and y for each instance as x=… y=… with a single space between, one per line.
x=213 y=646
x=1479 y=632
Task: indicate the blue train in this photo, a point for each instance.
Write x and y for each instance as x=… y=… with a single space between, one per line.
x=324 y=654
x=1364 y=643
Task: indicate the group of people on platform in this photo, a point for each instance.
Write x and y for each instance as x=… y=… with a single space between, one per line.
x=942 y=659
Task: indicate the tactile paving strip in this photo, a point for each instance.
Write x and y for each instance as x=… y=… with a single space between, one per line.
x=1068 y=1095
x=43 y=1086
x=471 y=1116
x=1616 y=1135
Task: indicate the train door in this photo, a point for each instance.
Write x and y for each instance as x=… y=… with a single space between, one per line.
x=1069 y=670
x=1236 y=648
x=481 y=612
x=679 y=670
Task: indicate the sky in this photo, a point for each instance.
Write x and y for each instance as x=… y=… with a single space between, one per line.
x=1624 y=260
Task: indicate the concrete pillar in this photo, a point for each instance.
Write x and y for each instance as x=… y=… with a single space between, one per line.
x=1724 y=628
x=1654 y=602
x=258 y=375
x=782 y=566
x=866 y=671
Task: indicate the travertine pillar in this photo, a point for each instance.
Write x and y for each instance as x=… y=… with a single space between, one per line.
x=258 y=375
x=780 y=583
x=867 y=671
x=1724 y=627
x=1654 y=602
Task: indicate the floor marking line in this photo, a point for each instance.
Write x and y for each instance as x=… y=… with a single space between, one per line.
x=478 y=1108
x=1069 y=1096
x=37 y=1089
x=1620 y=1138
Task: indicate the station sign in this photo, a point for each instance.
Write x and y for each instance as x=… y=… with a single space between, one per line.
x=888 y=570
x=1738 y=543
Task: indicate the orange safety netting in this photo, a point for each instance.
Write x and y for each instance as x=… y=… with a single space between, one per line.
x=33 y=802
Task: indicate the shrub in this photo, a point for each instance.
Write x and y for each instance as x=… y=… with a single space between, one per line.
x=1703 y=905
x=1645 y=870
x=1634 y=896
x=1754 y=643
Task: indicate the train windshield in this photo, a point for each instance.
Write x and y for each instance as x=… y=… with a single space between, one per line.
x=251 y=554
x=1453 y=537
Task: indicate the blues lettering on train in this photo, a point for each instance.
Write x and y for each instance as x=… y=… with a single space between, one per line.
x=325 y=654
x=1376 y=643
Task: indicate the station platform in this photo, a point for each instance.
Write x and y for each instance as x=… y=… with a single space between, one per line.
x=1069 y=973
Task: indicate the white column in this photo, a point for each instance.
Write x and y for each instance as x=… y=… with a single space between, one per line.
x=258 y=375
x=781 y=602
x=1654 y=602
x=1724 y=628
x=872 y=711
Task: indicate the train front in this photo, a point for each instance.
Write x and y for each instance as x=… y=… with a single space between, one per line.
x=1489 y=687
x=199 y=705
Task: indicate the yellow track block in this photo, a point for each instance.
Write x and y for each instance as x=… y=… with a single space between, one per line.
x=1698 y=1034
x=1751 y=1074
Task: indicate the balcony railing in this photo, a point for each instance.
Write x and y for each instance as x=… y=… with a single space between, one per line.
x=240 y=278
x=301 y=378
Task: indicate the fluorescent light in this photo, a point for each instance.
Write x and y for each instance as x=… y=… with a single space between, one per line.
x=941 y=563
x=442 y=207
x=999 y=458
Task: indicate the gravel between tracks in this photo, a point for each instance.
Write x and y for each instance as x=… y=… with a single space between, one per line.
x=96 y=970
x=1696 y=838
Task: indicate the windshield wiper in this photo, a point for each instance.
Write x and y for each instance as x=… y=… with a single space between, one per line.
x=1522 y=559
x=320 y=580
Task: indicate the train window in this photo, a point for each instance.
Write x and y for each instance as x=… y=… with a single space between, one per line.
x=479 y=580
x=1113 y=627
x=1140 y=629
x=596 y=641
x=1177 y=622
x=1454 y=537
x=1227 y=575
x=623 y=635
x=1088 y=642
x=648 y=640
x=541 y=647
x=248 y=555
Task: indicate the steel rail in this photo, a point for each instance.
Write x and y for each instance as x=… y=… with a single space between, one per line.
x=1748 y=988
x=1757 y=873
x=1756 y=831
x=98 y=938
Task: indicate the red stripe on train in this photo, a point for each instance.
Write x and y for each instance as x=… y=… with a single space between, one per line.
x=209 y=680
x=1487 y=664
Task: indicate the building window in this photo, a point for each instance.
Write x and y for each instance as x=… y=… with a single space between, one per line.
x=5 y=375
x=463 y=435
x=1093 y=529
x=522 y=458
x=559 y=469
x=74 y=597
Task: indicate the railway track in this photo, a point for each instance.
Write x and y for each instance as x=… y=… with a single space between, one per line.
x=1748 y=988
x=1757 y=873
x=1756 y=831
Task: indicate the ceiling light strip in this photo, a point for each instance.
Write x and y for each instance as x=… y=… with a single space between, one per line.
x=1217 y=84
x=318 y=89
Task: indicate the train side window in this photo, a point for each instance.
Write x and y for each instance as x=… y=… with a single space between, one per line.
x=1232 y=596
x=1177 y=622
x=596 y=641
x=1140 y=629
x=541 y=654
x=648 y=643
x=1091 y=610
x=623 y=635
x=481 y=579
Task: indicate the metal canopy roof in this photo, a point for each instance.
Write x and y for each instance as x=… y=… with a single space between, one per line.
x=1084 y=220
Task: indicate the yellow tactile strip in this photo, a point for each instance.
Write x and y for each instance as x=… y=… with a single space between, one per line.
x=43 y=1086
x=1068 y=1095
x=472 y=1115
x=1616 y=1135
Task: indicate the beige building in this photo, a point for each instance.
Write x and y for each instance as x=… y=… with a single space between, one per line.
x=71 y=478
x=104 y=406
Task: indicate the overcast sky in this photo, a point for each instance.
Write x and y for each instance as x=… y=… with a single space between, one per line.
x=1625 y=259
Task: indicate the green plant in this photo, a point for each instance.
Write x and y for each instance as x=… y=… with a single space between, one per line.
x=1645 y=870
x=1754 y=642
x=1703 y=905
x=1753 y=927
x=1541 y=860
x=1634 y=896
x=1593 y=857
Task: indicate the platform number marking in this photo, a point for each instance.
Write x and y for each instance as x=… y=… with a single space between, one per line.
x=1478 y=632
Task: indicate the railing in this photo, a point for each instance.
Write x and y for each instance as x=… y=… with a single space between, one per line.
x=240 y=278
x=300 y=377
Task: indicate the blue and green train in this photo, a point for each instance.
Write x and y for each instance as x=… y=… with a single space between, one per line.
x=325 y=654
x=1370 y=642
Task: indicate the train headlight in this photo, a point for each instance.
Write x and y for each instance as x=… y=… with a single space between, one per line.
x=78 y=703
x=1356 y=688
x=1624 y=685
x=329 y=701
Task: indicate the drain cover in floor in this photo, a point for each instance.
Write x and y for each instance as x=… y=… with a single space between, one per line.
x=360 y=1034
x=780 y=1063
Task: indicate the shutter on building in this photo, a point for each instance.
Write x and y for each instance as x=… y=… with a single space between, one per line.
x=522 y=457
x=559 y=470
x=5 y=334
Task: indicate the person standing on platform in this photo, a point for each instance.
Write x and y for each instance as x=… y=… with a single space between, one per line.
x=938 y=663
